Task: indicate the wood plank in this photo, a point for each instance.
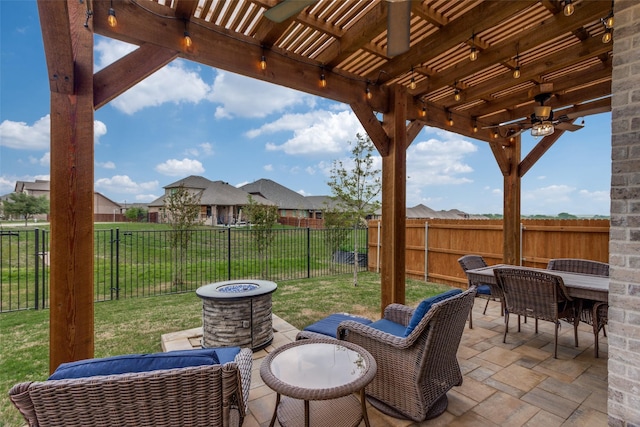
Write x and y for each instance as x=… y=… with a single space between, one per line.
x=511 y=209
x=54 y=22
x=71 y=210
x=394 y=180
x=129 y=70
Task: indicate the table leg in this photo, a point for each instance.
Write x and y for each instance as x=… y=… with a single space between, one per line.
x=306 y=413
x=275 y=411
x=363 y=401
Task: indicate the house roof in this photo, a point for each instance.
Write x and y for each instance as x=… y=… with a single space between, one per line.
x=38 y=185
x=214 y=193
x=282 y=196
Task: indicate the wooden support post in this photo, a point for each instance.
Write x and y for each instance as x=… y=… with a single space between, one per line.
x=72 y=156
x=394 y=180
x=511 y=214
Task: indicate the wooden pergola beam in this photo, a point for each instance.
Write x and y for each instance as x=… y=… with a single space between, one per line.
x=72 y=156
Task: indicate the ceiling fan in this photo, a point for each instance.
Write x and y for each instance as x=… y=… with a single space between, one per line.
x=398 y=20
x=542 y=121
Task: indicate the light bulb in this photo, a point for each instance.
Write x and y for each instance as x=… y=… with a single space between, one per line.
x=111 y=19
x=569 y=8
x=473 y=55
x=495 y=134
x=369 y=94
x=412 y=85
x=423 y=112
x=450 y=121
x=516 y=72
x=323 y=80
x=457 y=96
x=606 y=37
x=609 y=22
x=475 y=128
x=187 y=40
x=263 y=63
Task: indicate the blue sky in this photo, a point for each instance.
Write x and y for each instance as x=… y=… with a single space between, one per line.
x=190 y=119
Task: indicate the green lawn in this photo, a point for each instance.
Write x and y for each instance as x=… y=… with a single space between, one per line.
x=135 y=325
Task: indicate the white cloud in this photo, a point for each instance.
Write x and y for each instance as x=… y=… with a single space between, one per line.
x=245 y=97
x=174 y=83
x=22 y=136
x=174 y=167
x=268 y=168
x=204 y=149
x=45 y=160
x=596 y=196
x=106 y=165
x=315 y=133
x=6 y=185
x=123 y=184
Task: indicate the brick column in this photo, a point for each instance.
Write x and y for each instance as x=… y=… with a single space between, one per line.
x=624 y=240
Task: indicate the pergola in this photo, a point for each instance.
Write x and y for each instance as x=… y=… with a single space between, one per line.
x=336 y=49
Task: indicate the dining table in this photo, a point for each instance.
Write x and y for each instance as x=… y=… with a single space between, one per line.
x=583 y=286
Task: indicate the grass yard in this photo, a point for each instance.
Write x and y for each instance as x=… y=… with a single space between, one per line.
x=135 y=325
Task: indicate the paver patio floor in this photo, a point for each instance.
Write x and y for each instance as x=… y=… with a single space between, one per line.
x=516 y=384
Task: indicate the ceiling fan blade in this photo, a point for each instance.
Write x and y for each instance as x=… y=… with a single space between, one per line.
x=398 y=27
x=286 y=9
x=569 y=126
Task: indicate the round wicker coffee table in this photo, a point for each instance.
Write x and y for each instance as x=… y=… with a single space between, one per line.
x=315 y=380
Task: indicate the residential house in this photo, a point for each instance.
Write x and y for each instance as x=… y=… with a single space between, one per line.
x=220 y=203
x=290 y=204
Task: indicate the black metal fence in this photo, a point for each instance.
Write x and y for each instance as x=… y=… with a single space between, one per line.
x=131 y=264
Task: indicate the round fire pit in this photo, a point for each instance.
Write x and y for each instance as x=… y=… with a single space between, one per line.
x=237 y=313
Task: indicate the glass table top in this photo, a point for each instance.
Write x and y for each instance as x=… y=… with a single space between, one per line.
x=318 y=366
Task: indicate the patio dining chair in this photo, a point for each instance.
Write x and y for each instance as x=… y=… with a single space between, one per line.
x=592 y=313
x=536 y=294
x=483 y=290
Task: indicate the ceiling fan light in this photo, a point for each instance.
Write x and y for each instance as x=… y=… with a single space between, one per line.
x=542 y=129
x=542 y=112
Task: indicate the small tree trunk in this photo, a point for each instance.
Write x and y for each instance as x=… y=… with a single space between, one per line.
x=356 y=261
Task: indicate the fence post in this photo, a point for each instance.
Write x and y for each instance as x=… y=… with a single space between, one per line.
x=228 y=253
x=426 y=251
x=308 y=252
x=117 y=242
x=36 y=248
x=378 y=251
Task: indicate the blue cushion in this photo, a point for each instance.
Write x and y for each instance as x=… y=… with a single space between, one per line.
x=130 y=363
x=424 y=307
x=483 y=290
x=329 y=325
x=390 y=327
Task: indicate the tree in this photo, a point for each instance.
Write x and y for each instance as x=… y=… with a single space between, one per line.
x=263 y=219
x=183 y=213
x=25 y=205
x=136 y=214
x=355 y=190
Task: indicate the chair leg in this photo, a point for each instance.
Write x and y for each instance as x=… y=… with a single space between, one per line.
x=595 y=337
x=506 y=327
x=536 y=325
x=485 y=307
x=471 y=318
x=555 y=347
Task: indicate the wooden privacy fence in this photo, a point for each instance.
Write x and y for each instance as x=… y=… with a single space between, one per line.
x=433 y=246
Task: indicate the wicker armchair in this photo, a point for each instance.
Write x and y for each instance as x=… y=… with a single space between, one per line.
x=483 y=290
x=212 y=395
x=414 y=372
x=592 y=313
x=538 y=295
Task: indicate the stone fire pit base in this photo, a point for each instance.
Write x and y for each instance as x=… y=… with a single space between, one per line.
x=237 y=313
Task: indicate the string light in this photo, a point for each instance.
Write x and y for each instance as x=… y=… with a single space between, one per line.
x=111 y=19
x=569 y=8
x=263 y=63
x=368 y=92
x=607 y=36
x=456 y=95
x=323 y=80
x=473 y=53
x=475 y=127
x=423 y=112
x=412 y=85
x=516 y=71
x=450 y=120
x=188 y=42
x=495 y=134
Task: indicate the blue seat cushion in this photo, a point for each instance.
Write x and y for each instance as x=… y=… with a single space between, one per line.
x=424 y=307
x=483 y=290
x=390 y=327
x=329 y=325
x=130 y=363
